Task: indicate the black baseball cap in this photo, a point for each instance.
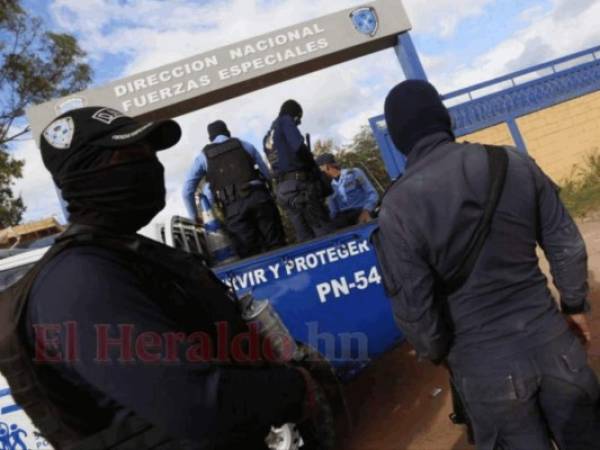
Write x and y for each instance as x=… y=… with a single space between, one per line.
x=72 y=136
x=325 y=158
x=291 y=108
x=217 y=128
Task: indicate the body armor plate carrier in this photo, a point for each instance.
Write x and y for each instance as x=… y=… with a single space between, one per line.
x=230 y=170
x=36 y=392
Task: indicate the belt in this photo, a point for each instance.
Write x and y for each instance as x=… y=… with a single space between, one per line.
x=296 y=175
x=231 y=193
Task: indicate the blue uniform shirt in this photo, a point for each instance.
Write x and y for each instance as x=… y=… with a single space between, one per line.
x=198 y=171
x=292 y=152
x=352 y=190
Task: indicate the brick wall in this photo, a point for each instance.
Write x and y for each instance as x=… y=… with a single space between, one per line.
x=496 y=135
x=558 y=137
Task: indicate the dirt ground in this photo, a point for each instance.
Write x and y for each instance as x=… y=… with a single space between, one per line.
x=401 y=404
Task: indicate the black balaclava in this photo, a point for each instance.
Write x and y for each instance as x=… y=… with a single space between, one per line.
x=414 y=110
x=293 y=109
x=106 y=167
x=121 y=197
x=217 y=128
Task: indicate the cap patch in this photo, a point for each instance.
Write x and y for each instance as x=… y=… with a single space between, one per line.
x=70 y=104
x=59 y=134
x=107 y=115
x=122 y=137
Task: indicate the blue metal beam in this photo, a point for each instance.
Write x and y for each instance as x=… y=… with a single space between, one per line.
x=524 y=98
x=516 y=135
x=533 y=71
x=394 y=161
x=409 y=58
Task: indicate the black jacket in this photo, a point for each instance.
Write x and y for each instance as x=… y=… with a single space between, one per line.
x=142 y=308
x=428 y=217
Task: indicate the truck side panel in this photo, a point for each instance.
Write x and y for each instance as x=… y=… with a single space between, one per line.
x=329 y=294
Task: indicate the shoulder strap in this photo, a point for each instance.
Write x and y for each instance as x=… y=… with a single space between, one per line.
x=498 y=165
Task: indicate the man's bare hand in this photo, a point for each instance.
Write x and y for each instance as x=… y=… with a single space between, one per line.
x=365 y=217
x=579 y=325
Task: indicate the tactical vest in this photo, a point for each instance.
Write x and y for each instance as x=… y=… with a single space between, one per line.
x=230 y=170
x=283 y=158
x=35 y=388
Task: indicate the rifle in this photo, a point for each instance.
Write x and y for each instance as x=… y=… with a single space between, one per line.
x=459 y=415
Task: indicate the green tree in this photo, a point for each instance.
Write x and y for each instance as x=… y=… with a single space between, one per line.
x=581 y=191
x=35 y=65
x=326 y=146
x=363 y=152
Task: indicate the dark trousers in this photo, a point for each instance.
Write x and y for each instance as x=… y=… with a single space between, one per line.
x=304 y=204
x=254 y=224
x=346 y=219
x=245 y=443
x=524 y=402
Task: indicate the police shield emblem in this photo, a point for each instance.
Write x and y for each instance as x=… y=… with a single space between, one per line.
x=365 y=21
x=59 y=133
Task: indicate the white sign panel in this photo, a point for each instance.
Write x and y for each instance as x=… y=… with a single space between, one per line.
x=236 y=69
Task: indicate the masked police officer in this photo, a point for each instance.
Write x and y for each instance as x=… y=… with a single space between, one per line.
x=239 y=188
x=516 y=358
x=354 y=198
x=300 y=190
x=117 y=341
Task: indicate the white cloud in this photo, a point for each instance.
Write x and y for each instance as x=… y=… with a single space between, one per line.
x=152 y=33
x=337 y=101
x=569 y=26
x=179 y=28
x=442 y=17
x=36 y=186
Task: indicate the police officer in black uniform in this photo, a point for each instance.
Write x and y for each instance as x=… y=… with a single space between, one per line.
x=116 y=341
x=300 y=189
x=517 y=360
x=238 y=179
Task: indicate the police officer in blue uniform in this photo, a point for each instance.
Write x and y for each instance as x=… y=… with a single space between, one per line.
x=115 y=341
x=300 y=190
x=238 y=177
x=518 y=360
x=354 y=198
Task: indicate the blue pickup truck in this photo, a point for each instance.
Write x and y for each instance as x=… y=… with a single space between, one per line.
x=329 y=294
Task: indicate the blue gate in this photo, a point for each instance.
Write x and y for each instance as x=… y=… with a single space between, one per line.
x=506 y=98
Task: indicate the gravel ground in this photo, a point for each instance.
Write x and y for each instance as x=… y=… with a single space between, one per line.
x=397 y=404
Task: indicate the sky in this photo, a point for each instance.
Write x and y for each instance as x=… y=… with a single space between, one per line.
x=460 y=43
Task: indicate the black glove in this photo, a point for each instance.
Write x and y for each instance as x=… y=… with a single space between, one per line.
x=317 y=427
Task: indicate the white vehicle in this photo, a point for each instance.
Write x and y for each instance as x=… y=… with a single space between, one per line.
x=182 y=233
